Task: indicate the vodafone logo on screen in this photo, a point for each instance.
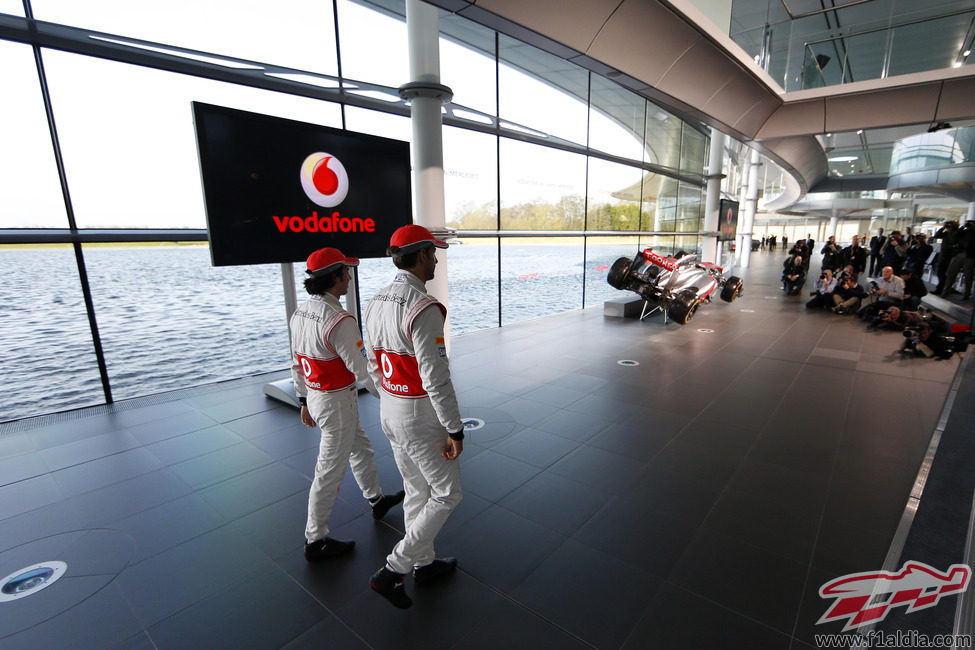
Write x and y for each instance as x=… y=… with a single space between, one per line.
x=324 y=179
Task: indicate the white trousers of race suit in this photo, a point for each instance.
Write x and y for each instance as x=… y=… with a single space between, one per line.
x=343 y=443
x=431 y=483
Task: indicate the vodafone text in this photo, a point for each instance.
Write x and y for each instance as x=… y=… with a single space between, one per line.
x=334 y=223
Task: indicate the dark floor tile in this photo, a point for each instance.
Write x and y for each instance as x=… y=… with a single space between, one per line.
x=746 y=579
x=288 y=442
x=53 y=519
x=212 y=468
x=676 y=619
x=264 y=423
x=167 y=525
x=279 y=528
x=169 y=582
x=557 y=503
x=105 y=505
x=252 y=491
x=601 y=469
x=484 y=547
x=237 y=617
x=509 y=625
x=491 y=475
x=329 y=633
x=535 y=447
x=153 y=430
x=88 y=449
x=191 y=445
x=575 y=425
x=30 y=494
x=592 y=595
x=14 y=469
x=101 y=621
x=101 y=472
x=20 y=615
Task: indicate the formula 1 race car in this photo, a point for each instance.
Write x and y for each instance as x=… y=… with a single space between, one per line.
x=678 y=285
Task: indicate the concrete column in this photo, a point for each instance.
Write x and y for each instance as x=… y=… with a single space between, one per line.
x=427 y=95
x=709 y=245
x=751 y=204
x=971 y=212
x=833 y=221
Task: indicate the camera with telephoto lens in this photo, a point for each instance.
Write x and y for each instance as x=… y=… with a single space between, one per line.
x=911 y=334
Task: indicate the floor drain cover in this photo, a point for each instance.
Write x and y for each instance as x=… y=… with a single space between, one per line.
x=706 y=331
x=30 y=580
x=472 y=424
x=628 y=362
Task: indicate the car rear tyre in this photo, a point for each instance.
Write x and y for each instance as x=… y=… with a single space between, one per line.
x=619 y=272
x=731 y=289
x=684 y=306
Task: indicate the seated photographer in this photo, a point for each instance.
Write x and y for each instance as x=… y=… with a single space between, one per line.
x=848 y=294
x=914 y=289
x=886 y=291
x=924 y=341
x=895 y=318
x=793 y=275
x=823 y=295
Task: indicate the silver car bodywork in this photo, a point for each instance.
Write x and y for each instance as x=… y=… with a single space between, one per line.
x=678 y=284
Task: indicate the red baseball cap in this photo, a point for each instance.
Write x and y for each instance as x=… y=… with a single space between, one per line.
x=412 y=238
x=325 y=260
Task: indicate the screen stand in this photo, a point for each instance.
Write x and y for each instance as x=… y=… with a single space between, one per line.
x=283 y=390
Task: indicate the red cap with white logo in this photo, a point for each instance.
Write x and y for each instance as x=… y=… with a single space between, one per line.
x=325 y=260
x=412 y=238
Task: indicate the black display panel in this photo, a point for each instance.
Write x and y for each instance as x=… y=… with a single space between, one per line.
x=277 y=189
x=727 y=219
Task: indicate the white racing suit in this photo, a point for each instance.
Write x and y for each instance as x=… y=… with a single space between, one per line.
x=325 y=344
x=417 y=405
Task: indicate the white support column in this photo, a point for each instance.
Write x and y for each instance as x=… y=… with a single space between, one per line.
x=751 y=204
x=833 y=221
x=427 y=96
x=971 y=212
x=709 y=245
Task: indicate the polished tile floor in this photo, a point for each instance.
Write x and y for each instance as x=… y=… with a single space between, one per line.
x=696 y=500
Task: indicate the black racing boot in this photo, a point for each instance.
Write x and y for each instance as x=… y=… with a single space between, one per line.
x=389 y=585
x=327 y=548
x=385 y=502
x=424 y=575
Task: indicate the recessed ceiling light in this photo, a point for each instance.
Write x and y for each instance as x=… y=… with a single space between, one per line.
x=956 y=64
x=966 y=52
x=843 y=158
x=860 y=132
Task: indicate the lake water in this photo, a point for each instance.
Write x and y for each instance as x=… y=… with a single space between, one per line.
x=169 y=320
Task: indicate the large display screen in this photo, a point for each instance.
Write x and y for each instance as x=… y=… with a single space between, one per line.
x=277 y=189
x=727 y=219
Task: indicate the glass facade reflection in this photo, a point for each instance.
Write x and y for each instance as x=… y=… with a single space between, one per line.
x=554 y=149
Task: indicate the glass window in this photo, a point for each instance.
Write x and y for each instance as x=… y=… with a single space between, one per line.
x=693 y=151
x=45 y=358
x=541 y=91
x=615 y=191
x=386 y=125
x=12 y=7
x=200 y=330
x=293 y=33
x=616 y=119
x=601 y=252
x=662 y=138
x=472 y=265
x=374 y=45
x=31 y=196
x=469 y=72
x=664 y=193
x=128 y=140
x=541 y=188
x=690 y=208
x=540 y=277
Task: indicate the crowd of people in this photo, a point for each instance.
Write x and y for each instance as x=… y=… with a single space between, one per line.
x=882 y=281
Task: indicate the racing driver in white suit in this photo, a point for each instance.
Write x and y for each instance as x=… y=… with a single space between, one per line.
x=327 y=357
x=418 y=409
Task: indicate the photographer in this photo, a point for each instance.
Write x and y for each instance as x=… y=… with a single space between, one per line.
x=963 y=261
x=895 y=318
x=848 y=294
x=831 y=254
x=924 y=341
x=894 y=251
x=793 y=275
x=918 y=253
x=886 y=291
x=949 y=237
x=914 y=289
x=854 y=255
x=823 y=295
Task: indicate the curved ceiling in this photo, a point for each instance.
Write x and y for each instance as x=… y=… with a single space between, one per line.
x=671 y=53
